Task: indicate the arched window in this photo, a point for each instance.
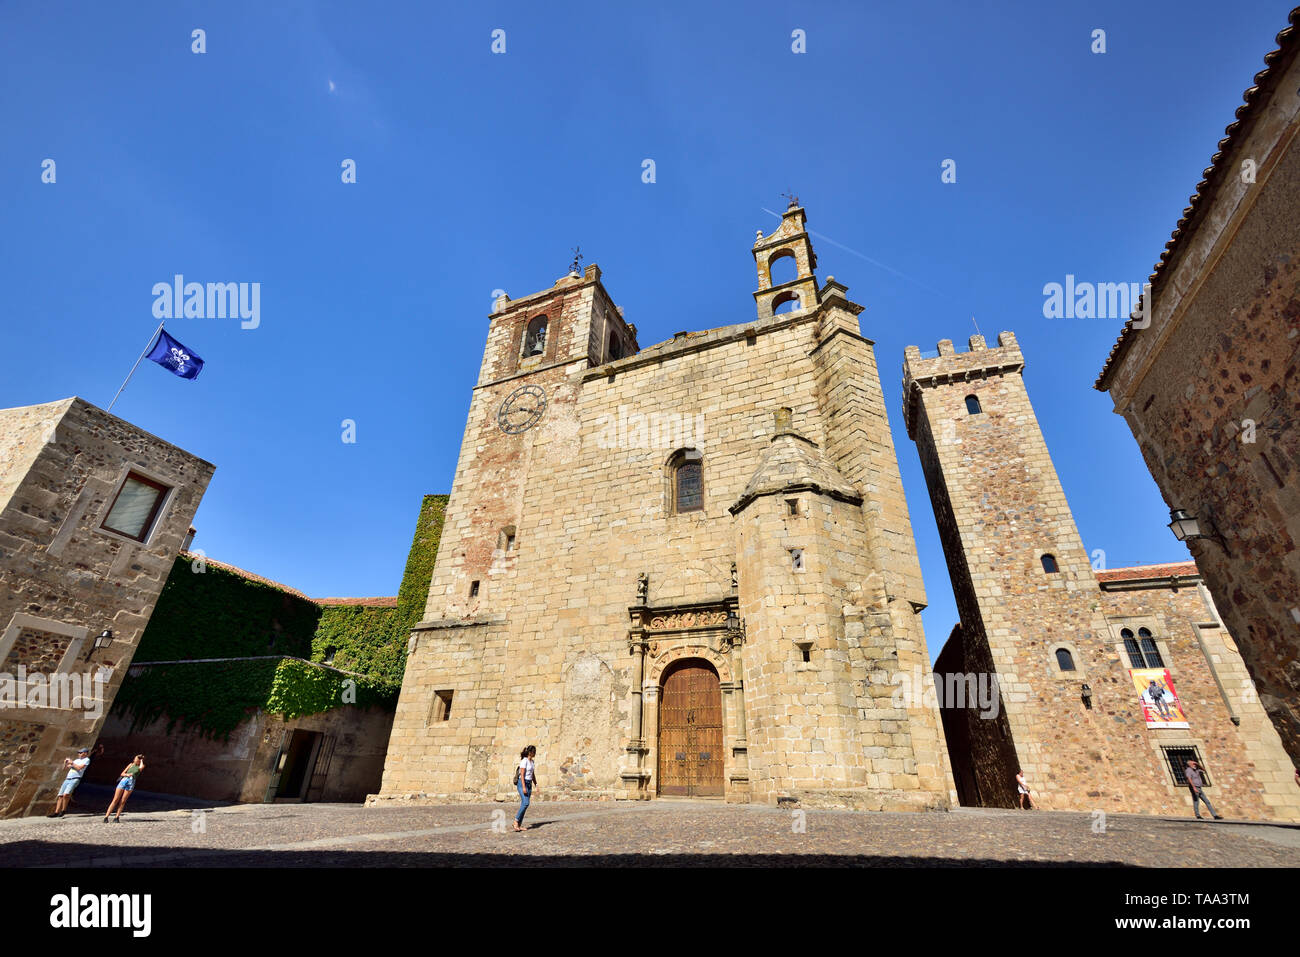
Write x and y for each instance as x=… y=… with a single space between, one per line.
x=788 y=298
x=687 y=472
x=1049 y=564
x=615 y=347
x=1150 y=653
x=1132 y=649
x=1064 y=660
x=782 y=267
x=535 y=337
x=973 y=405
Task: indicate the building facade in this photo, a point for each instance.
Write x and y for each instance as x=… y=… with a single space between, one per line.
x=1107 y=681
x=681 y=570
x=93 y=511
x=1208 y=379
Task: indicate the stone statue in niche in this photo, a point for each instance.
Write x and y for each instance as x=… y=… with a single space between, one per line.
x=642 y=588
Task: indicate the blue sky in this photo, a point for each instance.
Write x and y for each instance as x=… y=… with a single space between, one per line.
x=479 y=171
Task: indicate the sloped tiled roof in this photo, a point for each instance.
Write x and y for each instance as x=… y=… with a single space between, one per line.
x=387 y=601
x=1276 y=64
x=382 y=602
x=1168 y=570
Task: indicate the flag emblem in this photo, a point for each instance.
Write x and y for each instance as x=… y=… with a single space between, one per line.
x=175 y=357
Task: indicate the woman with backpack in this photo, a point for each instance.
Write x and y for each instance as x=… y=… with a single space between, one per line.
x=525 y=782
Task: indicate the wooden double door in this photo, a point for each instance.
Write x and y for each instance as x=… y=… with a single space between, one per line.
x=690 y=732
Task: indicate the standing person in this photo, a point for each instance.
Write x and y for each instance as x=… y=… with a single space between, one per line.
x=1023 y=789
x=76 y=768
x=1156 y=692
x=525 y=781
x=1196 y=784
x=125 y=785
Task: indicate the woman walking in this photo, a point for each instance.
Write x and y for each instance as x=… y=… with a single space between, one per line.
x=125 y=785
x=525 y=781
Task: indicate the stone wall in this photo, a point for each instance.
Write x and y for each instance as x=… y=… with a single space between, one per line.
x=63 y=575
x=240 y=769
x=533 y=639
x=1003 y=511
x=1211 y=388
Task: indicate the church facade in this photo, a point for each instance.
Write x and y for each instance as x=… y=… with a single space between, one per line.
x=684 y=570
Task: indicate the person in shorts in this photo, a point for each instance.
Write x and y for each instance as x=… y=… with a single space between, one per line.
x=76 y=768
x=125 y=785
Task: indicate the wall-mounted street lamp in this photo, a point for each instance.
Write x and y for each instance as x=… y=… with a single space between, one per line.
x=1187 y=527
x=1087 y=696
x=102 y=640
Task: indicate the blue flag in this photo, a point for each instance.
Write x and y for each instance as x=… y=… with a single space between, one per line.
x=175 y=358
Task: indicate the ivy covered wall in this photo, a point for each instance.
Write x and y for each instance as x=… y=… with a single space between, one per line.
x=207 y=611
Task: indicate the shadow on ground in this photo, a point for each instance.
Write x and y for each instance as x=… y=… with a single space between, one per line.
x=19 y=853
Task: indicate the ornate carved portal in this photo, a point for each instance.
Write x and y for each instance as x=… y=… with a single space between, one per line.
x=687 y=734
x=690 y=731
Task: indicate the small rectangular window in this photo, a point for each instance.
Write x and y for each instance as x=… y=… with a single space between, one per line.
x=136 y=507
x=796 y=559
x=1178 y=758
x=792 y=506
x=510 y=541
x=473 y=589
x=444 y=705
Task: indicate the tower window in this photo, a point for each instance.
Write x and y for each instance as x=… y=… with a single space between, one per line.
x=440 y=707
x=782 y=299
x=1132 y=649
x=535 y=337
x=688 y=481
x=796 y=559
x=473 y=589
x=973 y=405
x=615 y=347
x=782 y=267
x=792 y=506
x=1064 y=660
x=135 y=507
x=1150 y=653
x=506 y=540
x=1049 y=564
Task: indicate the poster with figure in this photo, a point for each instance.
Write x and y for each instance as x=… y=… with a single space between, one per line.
x=1160 y=705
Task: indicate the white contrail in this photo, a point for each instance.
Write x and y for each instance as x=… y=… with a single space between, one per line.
x=874 y=262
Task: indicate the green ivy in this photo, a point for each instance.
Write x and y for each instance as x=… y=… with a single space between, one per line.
x=219 y=614
x=214 y=613
x=214 y=697
x=363 y=639
x=300 y=689
x=414 y=592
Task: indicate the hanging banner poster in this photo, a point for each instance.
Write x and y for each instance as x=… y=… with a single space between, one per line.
x=1160 y=705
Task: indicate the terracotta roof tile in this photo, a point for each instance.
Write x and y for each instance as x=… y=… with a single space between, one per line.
x=389 y=601
x=1167 y=570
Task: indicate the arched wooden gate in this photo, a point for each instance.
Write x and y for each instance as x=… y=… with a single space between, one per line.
x=690 y=731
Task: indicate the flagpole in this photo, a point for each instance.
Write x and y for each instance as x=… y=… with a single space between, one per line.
x=137 y=364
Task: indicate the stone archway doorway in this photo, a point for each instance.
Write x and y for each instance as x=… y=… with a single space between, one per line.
x=690 y=731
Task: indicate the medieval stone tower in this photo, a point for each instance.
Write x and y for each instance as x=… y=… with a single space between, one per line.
x=1067 y=642
x=681 y=570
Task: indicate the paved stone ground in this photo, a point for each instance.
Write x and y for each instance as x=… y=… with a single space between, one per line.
x=161 y=831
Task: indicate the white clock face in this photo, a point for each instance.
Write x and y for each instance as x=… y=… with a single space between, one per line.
x=522 y=409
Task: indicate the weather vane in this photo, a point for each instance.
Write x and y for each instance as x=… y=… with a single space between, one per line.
x=576 y=265
x=794 y=200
